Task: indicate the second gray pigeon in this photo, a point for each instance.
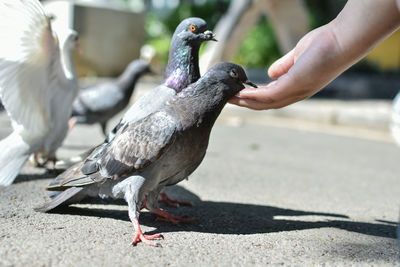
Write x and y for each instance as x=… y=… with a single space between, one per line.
x=99 y=103
x=182 y=70
x=158 y=150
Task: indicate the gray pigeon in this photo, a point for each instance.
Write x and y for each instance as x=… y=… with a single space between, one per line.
x=182 y=70
x=99 y=103
x=159 y=150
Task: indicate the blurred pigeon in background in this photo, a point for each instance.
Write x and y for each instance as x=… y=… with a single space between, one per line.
x=37 y=84
x=99 y=103
x=160 y=149
x=395 y=123
x=182 y=70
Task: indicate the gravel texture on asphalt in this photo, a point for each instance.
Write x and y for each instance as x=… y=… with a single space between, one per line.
x=263 y=195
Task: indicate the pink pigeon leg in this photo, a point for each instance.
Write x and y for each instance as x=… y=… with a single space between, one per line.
x=171 y=202
x=140 y=237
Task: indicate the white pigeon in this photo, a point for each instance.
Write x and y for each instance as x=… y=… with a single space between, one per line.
x=395 y=123
x=38 y=84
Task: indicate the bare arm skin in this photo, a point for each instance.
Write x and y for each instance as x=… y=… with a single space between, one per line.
x=324 y=53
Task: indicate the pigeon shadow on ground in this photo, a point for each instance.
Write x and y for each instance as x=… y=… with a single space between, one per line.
x=45 y=173
x=236 y=218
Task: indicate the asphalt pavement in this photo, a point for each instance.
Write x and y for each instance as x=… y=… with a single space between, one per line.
x=271 y=190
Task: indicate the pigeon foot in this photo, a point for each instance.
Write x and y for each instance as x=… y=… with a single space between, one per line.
x=38 y=160
x=64 y=164
x=172 y=202
x=164 y=216
x=146 y=239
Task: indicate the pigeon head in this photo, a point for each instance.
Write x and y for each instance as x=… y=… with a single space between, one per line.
x=194 y=30
x=231 y=75
x=68 y=40
x=183 y=61
x=204 y=100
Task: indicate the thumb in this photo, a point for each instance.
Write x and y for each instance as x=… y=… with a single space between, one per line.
x=282 y=65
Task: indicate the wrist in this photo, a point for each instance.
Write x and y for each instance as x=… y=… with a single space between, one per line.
x=361 y=25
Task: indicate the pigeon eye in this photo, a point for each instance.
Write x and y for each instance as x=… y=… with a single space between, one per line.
x=234 y=74
x=193 y=28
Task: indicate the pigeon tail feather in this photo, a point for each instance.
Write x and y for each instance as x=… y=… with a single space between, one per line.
x=63 y=198
x=14 y=152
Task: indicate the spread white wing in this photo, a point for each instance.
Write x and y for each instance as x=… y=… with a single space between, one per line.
x=29 y=63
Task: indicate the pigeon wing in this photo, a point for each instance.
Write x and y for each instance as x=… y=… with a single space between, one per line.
x=149 y=103
x=29 y=63
x=101 y=97
x=135 y=147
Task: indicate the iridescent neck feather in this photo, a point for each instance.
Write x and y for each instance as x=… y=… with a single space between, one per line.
x=183 y=64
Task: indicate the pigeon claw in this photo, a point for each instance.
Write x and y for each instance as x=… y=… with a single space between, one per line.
x=140 y=237
x=172 y=202
x=147 y=239
x=164 y=216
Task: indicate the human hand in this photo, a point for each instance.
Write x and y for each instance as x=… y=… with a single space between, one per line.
x=302 y=72
x=324 y=53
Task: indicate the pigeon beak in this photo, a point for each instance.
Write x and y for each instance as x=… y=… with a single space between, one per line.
x=250 y=83
x=209 y=35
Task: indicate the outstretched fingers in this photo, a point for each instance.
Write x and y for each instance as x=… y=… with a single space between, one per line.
x=276 y=94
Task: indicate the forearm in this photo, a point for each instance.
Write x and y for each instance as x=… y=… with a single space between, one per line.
x=362 y=24
x=358 y=28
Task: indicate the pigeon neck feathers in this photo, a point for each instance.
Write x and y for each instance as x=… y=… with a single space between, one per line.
x=183 y=64
x=127 y=80
x=203 y=100
x=68 y=65
x=68 y=43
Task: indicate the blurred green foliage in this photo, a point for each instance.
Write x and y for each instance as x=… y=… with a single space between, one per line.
x=158 y=36
x=160 y=29
x=210 y=11
x=322 y=12
x=259 y=49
